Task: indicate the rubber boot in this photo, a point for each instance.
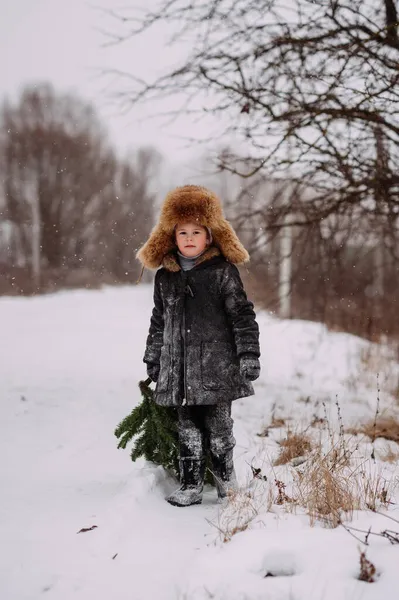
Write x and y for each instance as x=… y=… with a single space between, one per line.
x=192 y=472
x=224 y=474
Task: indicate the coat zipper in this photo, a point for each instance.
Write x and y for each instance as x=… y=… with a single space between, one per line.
x=184 y=353
x=187 y=290
x=184 y=343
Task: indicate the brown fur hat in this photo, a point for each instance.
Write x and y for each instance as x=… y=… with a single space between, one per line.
x=196 y=204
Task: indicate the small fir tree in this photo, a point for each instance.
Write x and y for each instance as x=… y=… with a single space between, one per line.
x=155 y=431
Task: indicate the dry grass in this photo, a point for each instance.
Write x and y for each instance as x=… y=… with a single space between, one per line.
x=318 y=421
x=275 y=423
x=334 y=485
x=337 y=478
x=282 y=497
x=389 y=455
x=377 y=367
x=242 y=508
x=373 y=490
x=322 y=489
x=383 y=427
x=294 y=445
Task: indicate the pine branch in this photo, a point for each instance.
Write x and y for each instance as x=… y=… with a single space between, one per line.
x=153 y=430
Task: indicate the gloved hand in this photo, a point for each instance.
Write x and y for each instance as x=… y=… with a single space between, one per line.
x=249 y=366
x=153 y=371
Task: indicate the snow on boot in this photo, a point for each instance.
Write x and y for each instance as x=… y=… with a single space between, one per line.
x=192 y=473
x=224 y=474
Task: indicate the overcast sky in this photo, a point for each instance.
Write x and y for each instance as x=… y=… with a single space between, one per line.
x=59 y=41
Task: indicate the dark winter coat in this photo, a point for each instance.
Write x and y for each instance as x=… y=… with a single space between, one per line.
x=202 y=322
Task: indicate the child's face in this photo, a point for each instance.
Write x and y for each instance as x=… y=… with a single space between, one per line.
x=191 y=239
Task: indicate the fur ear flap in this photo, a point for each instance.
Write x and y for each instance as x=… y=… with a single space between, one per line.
x=159 y=243
x=226 y=238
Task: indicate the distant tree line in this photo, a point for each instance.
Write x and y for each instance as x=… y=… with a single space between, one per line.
x=341 y=271
x=72 y=212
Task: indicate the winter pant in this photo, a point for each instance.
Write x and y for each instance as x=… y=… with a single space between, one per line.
x=205 y=427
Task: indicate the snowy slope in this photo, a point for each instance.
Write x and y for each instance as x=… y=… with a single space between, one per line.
x=69 y=366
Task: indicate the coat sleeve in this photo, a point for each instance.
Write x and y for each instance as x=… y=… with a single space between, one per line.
x=155 y=335
x=241 y=313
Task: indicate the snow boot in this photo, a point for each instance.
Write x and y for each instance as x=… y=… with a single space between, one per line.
x=224 y=474
x=192 y=472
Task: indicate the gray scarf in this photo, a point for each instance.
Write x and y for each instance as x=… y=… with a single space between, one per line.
x=186 y=262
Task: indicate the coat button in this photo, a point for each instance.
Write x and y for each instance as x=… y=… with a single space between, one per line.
x=189 y=387
x=188 y=330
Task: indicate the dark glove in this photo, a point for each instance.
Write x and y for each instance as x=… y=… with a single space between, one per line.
x=249 y=366
x=153 y=371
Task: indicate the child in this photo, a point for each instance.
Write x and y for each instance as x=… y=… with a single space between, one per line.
x=203 y=343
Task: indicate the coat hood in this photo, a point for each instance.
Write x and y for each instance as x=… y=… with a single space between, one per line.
x=191 y=203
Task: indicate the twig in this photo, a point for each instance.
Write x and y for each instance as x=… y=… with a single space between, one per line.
x=388 y=534
x=341 y=427
x=85 y=529
x=377 y=412
x=328 y=424
x=350 y=529
x=387 y=516
x=392 y=536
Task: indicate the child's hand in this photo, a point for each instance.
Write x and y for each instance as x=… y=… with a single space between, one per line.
x=249 y=366
x=153 y=371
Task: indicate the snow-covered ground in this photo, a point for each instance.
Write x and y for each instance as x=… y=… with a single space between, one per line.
x=69 y=367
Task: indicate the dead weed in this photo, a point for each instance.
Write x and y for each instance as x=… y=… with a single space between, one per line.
x=324 y=492
x=388 y=455
x=368 y=572
x=294 y=445
x=383 y=427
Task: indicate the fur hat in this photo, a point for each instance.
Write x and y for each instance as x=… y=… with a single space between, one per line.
x=196 y=204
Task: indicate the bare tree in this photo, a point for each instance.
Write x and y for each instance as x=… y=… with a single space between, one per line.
x=56 y=163
x=68 y=200
x=126 y=216
x=302 y=85
x=309 y=90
